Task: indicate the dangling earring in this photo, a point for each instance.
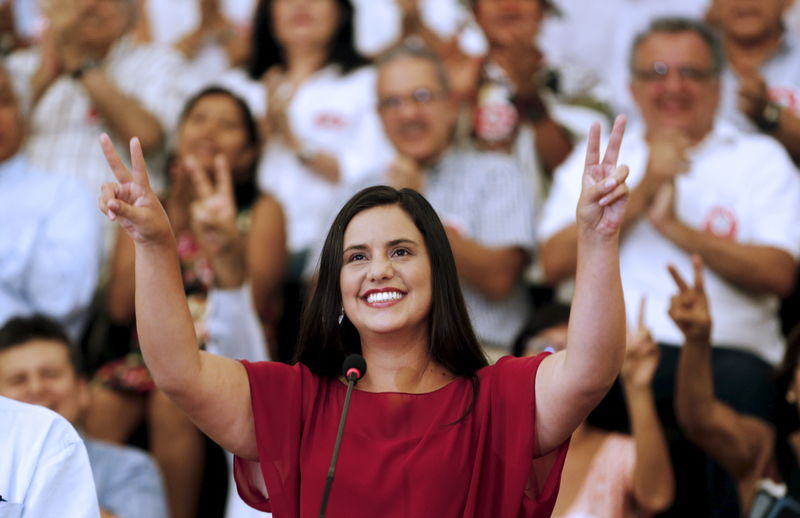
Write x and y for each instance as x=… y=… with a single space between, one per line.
x=341 y=316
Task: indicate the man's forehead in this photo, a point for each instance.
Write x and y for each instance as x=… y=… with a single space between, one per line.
x=684 y=45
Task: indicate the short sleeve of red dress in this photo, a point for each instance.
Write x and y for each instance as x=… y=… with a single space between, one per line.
x=448 y=453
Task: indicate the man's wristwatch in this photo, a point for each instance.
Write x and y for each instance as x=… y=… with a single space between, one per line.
x=770 y=117
x=85 y=66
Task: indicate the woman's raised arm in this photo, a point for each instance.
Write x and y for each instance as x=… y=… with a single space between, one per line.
x=212 y=390
x=571 y=383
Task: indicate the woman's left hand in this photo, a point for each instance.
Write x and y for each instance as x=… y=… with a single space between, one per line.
x=604 y=194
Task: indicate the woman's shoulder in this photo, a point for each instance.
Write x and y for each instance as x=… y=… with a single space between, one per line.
x=512 y=366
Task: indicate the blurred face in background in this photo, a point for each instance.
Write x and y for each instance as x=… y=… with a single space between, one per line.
x=508 y=21
x=674 y=84
x=102 y=22
x=216 y=125
x=12 y=124
x=749 y=20
x=298 y=23
x=40 y=372
x=417 y=112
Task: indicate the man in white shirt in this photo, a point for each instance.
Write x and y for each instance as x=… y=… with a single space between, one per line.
x=50 y=242
x=87 y=76
x=38 y=366
x=44 y=470
x=699 y=186
x=483 y=199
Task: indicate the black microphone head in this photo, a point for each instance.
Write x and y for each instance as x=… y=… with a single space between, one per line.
x=354 y=365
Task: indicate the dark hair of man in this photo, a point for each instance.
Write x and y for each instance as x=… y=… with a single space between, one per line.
x=20 y=330
x=266 y=51
x=550 y=315
x=548 y=7
x=677 y=25
x=415 y=51
x=245 y=193
x=324 y=343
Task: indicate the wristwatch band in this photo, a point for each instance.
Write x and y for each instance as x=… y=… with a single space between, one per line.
x=770 y=117
x=85 y=66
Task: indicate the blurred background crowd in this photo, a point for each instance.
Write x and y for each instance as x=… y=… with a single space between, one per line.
x=259 y=118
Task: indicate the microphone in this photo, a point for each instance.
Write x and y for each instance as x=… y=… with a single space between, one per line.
x=354 y=367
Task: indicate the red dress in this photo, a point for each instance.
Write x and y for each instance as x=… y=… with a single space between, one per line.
x=402 y=455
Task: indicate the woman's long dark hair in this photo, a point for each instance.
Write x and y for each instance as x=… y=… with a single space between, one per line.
x=245 y=193
x=323 y=343
x=267 y=51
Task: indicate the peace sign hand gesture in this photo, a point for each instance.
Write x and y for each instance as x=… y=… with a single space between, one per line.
x=689 y=307
x=132 y=201
x=213 y=212
x=604 y=194
x=641 y=354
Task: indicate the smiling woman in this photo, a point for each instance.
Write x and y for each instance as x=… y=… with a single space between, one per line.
x=433 y=431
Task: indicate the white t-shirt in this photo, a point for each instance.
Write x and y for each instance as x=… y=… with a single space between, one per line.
x=331 y=113
x=44 y=469
x=740 y=186
x=590 y=43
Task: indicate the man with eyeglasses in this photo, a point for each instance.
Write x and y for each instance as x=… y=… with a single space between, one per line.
x=699 y=186
x=484 y=200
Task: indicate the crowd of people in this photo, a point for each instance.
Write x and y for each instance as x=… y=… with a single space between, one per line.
x=286 y=182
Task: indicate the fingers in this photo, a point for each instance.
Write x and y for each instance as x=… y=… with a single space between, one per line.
x=108 y=191
x=615 y=141
x=137 y=162
x=697 y=265
x=117 y=167
x=682 y=286
x=642 y=307
x=593 y=145
x=199 y=178
x=615 y=183
x=222 y=175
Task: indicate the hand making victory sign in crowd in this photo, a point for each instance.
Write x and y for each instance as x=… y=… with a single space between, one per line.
x=416 y=339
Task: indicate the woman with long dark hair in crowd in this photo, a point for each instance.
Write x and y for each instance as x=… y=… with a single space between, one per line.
x=433 y=431
x=230 y=238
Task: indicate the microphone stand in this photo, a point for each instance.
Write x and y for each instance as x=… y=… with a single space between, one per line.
x=352 y=377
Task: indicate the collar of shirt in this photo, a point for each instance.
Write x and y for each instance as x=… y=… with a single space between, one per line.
x=12 y=167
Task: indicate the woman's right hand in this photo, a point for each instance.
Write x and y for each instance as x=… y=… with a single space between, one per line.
x=131 y=201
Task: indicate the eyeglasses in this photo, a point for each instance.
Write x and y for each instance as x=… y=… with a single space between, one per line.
x=419 y=97
x=660 y=70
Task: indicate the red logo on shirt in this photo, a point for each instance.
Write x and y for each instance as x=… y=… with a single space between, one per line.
x=721 y=222
x=786 y=97
x=92 y=115
x=330 y=121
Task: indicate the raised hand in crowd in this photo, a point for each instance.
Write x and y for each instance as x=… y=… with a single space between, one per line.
x=463 y=69
x=740 y=443
x=213 y=222
x=215 y=27
x=653 y=477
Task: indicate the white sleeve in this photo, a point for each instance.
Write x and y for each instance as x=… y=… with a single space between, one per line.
x=233 y=326
x=370 y=151
x=559 y=207
x=775 y=198
x=64 y=264
x=62 y=484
